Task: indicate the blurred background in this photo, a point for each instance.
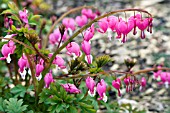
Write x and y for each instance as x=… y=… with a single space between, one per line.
x=154 y=49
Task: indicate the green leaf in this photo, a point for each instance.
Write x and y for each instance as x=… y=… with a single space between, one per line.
x=35 y=17
x=59 y=108
x=2 y=82
x=15 y=106
x=19 y=90
x=84 y=105
x=95 y=70
x=103 y=60
x=15 y=17
x=1 y=105
x=72 y=109
x=30 y=88
x=13 y=28
x=13 y=7
x=7 y=11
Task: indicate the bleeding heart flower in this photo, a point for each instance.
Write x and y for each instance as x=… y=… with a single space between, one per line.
x=86 y=49
x=73 y=49
x=58 y=61
x=142 y=83
x=101 y=90
x=48 y=79
x=69 y=23
x=142 y=24
x=71 y=88
x=89 y=33
x=23 y=16
x=7 y=50
x=127 y=83
x=23 y=64
x=81 y=20
x=90 y=84
x=88 y=13
x=39 y=68
x=116 y=84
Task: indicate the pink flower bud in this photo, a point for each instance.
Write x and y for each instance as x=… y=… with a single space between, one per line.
x=101 y=90
x=71 y=88
x=6 y=24
x=116 y=84
x=90 y=84
x=48 y=79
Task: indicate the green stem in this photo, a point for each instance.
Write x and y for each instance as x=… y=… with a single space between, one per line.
x=35 y=83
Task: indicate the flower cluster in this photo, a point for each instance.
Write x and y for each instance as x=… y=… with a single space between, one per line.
x=62 y=34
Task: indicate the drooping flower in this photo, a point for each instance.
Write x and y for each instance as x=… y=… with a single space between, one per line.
x=69 y=23
x=101 y=90
x=7 y=50
x=108 y=25
x=23 y=16
x=88 y=13
x=89 y=33
x=157 y=73
x=90 y=84
x=142 y=83
x=142 y=24
x=165 y=78
x=48 y=79
x=6 y=23
x=116 y=84
x=39 y=68
x=58 y=61
x=10 y=23
x=86 y=49
x=124 y=28
x=71 y=88
x=23 y=64
x=53 y=38
x=73 y=49
x=134 y=19
x=81 y=20
x=127 y=83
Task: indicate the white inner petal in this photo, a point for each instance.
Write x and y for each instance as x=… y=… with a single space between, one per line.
x=104 y=98
x=29 y=71
x=74 y=56
x=70 y=32
x=166 y=84
x=65 y=70
x=109 y=33
x=8 y=59
x=39 y=77
x=23 y=74
x=94 y=93
x=91 y=58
